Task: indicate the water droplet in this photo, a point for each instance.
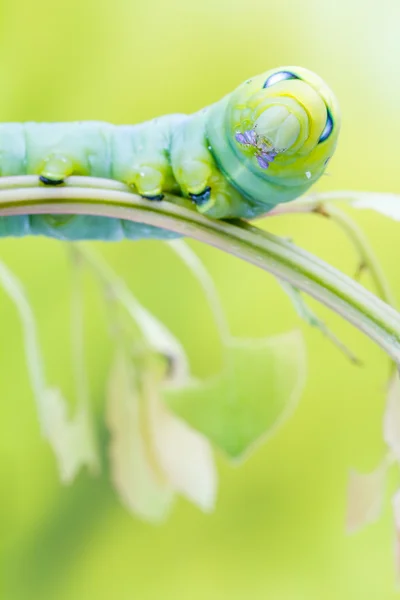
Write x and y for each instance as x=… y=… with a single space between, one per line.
x=308 y=174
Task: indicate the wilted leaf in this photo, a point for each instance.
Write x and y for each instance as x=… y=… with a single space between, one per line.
x=365 y=497
x=386 y=204
x=135 y=473
x=391 y=420
x=153 y=331
x=396 y=512
x=250 y=399
x=153 y=453
x=72 y=440
x=184 y=455
x=159 y=338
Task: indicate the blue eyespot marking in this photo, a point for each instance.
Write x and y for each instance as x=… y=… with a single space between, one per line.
x=328 y=127
x=280 y=76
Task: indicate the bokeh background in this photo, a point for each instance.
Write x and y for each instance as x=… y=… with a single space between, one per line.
x=278 y=528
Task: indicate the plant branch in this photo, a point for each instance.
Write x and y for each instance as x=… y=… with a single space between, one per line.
x=322 y=205
x=280 y=257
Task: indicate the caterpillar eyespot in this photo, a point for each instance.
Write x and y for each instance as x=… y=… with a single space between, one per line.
x=247 y=153
x=279 y=76
x=328 y=127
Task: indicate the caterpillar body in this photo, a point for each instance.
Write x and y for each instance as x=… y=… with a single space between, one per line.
x=265 y=143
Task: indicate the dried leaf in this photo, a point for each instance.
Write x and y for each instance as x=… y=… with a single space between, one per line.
x=391 y=420
x=159 y=338
x=72 y=440
x=385 y=204
x=184 y=455
x=139 y=481
x=396 y=512
x=153 y=453
x=365 y=497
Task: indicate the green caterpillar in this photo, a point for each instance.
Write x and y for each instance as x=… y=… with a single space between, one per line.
x=265 y=143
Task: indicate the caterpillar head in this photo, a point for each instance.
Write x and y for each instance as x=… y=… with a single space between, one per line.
x=280 y=128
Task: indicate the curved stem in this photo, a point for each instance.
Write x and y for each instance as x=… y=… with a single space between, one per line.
x=200 y=272
x=271 y=253
x=367 y=255
x=322 y=205
x=197 y=268
x=77 y=334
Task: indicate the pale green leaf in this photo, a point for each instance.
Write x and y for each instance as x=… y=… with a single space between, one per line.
x=72 y=439
x=391 y=420
x=245 y=404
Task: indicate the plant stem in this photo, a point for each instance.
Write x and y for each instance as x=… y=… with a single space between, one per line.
x=322 y=205
x=77 y=333
x=271 y=253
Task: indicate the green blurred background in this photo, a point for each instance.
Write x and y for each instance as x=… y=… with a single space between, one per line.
x=278 y=528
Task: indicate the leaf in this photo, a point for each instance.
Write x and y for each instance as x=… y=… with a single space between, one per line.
x=385 y=204
x=365 y=497
x=391 y=419
x=159 y=338
x=72 y=440
x=184 y=455
x=153 y=453
x=396 y=512
x=153 y=331
x=136 y=476
x=246 y=403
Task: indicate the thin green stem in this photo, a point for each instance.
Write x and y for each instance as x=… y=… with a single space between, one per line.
x=366 y=253
x=322 y=205
x=77 y=333
x=197 y=268
x=271 y=253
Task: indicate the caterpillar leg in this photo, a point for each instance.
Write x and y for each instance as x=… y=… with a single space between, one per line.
x=56 y=168
x=54 y=151
x=140 y=157
x=148 y=181
x=194 y=177
x=198 y=174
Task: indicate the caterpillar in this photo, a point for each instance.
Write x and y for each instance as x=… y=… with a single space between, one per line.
x=265 y=143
